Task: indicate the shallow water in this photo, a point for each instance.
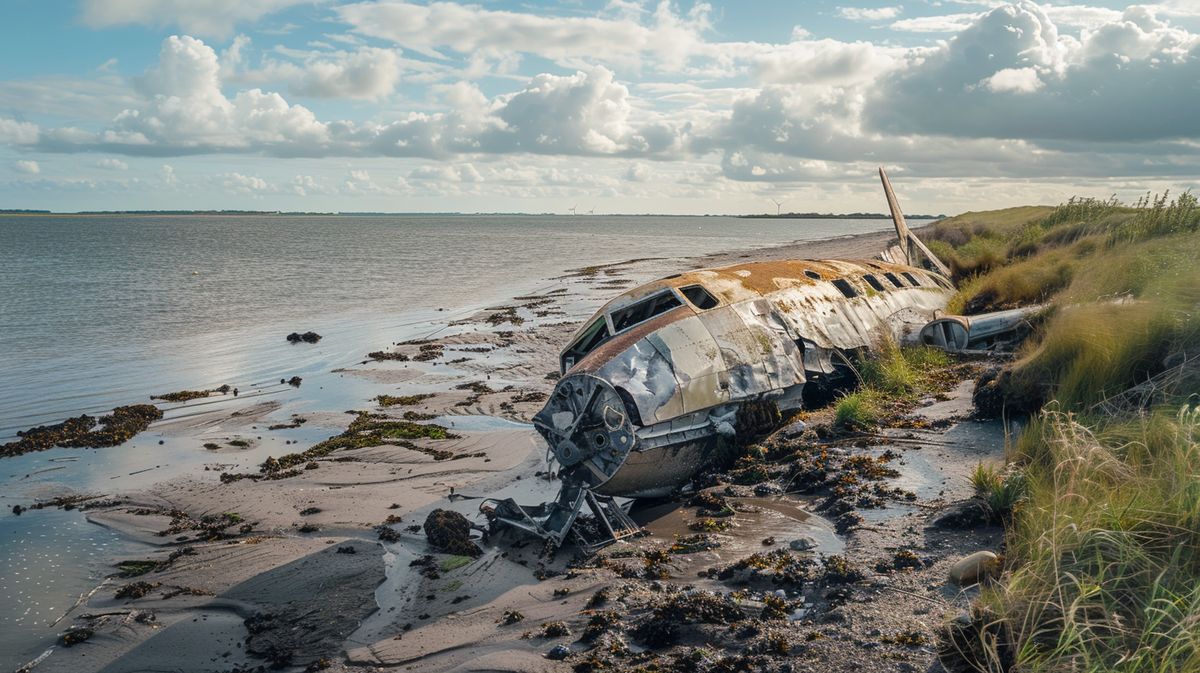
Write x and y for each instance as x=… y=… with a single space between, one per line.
x=48 y=559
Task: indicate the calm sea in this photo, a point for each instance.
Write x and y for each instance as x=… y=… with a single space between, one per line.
x=97 y=312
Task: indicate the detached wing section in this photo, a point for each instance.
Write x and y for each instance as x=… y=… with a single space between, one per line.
x=908 y=240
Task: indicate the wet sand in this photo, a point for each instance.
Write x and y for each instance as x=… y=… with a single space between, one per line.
x=278 y=586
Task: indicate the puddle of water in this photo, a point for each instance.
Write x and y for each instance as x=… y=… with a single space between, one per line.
x=48 y=558
x=477 y=423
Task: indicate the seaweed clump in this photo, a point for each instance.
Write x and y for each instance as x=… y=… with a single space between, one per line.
x=388 y=355
x=75 y=635
x=136 y=590
x=188 y=395
x=779 y=567
x=86 y=431
x=402 y=400
x=308 y=337
x=662 y=627
x=450 y=532
x=365 y=430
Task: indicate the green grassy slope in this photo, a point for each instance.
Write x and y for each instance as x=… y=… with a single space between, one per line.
x=1103 y=550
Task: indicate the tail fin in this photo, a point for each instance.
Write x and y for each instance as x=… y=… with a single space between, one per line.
x=908 y=240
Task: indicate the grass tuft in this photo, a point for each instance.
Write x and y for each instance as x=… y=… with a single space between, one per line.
x=858 y=410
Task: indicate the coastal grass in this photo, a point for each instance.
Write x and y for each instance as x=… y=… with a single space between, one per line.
x=1002 y=490
x=1102 y=550
x=1120 y=283
x=858 y=410
x=902 y=372
x=891 y=377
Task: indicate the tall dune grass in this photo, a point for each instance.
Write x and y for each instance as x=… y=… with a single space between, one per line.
x=1104 y=554
x=1103 y=548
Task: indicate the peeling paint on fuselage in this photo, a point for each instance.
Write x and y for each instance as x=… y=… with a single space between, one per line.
x=775 y=324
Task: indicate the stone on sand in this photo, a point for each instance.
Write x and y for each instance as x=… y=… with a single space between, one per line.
x=450 y=532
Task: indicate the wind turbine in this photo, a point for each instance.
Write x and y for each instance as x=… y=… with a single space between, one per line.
x=572 y=208
x=778 y=205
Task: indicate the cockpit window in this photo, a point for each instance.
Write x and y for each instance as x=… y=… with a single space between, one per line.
x=699 y=297
x=623 y=319
x=593 y=336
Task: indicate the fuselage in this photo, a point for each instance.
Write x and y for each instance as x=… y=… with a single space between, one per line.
x=659 y=374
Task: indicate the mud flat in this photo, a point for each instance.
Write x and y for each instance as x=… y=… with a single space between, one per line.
x=299 y=544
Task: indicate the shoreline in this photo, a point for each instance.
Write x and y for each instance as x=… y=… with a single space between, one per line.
x=358 y=489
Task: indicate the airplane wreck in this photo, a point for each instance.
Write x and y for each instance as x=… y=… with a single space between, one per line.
x=664 y=374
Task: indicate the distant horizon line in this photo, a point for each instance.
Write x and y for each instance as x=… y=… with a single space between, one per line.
x=371 y=213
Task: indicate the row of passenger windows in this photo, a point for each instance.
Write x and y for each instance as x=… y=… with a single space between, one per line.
x=641 y=311
x=893 y=280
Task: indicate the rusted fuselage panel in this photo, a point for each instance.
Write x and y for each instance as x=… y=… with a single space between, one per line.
x=673 y=383
x=773 y=322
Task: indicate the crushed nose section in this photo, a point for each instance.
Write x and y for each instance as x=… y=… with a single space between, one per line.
x=587 y=427
x=590 y=435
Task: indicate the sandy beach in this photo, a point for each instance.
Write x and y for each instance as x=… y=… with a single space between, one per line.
x=326 y=566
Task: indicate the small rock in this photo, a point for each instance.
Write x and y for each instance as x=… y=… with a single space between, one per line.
x=307 y=337
x=974 y=568
x=964 y=514
x=558 y=652
x=795 y=429
x=450 y=532
x=804 y=543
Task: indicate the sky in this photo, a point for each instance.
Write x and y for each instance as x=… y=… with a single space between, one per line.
x=611 y=106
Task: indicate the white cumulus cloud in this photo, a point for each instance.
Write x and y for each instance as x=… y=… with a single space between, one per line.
x=244 y=184
x=27 y=167
x=869 y=13
x=200 y=17
x=430 y=29
x=1016 y=80
x=13 y=132
x=368 y=73
x=944 y=23
x=1129 y=80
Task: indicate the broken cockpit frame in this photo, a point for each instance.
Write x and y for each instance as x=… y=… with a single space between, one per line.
x=664 y=375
